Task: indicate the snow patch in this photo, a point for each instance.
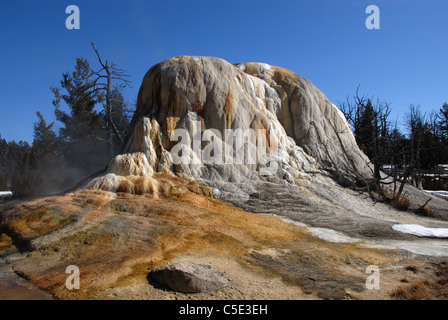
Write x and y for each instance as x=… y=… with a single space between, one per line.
x=5 y=195
x=438 y=193
x=435 y=248
x=421 y=231
x=332 y=235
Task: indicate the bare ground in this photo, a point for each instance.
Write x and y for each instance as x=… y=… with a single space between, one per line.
x=116 y=239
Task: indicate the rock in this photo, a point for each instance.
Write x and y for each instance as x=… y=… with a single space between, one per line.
x=314 y=123
x=189 y=278
x=182 y=92
x=297 y=130
x=131 y=164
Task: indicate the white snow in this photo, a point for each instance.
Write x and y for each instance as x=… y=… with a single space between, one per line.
x=421 y=231
x=427 y=247
x=5 y=193
x=332 y=235
x=435 y=248
x=438 y=193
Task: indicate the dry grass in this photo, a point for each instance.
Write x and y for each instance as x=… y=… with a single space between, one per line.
x=440 y=285
x=434 y=287
x=425 y=210
x=413 y=269
x=401 y=203
x=5 y=241
x=416 y=291
x=398 y=202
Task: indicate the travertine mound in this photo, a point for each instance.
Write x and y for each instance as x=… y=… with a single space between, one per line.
x=314 y=123
x=298 y=130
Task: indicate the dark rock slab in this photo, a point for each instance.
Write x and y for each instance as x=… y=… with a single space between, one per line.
x=189 y=277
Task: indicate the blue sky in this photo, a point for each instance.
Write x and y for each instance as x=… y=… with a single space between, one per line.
x=326 y=41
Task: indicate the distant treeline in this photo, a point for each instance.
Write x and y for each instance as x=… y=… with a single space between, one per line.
x=422 y=146
x=93 y=119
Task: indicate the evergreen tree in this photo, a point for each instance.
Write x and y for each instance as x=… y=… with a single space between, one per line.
x=119 y=119
x=83 y=132
x=366 y=129
x=19 y=167
x=46 y=159
x=399 y=151
x=4 y=185
x=442 y=122
x=57 y=161
x=415 y=124
x=45 y=139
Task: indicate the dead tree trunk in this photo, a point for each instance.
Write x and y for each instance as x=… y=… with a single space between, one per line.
x=112 y=73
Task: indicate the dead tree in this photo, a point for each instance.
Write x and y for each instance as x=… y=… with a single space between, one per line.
x=371 y=126
x=108 y=74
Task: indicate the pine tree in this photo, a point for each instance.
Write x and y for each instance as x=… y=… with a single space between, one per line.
x=44 y=137
x=4 y=185
x=442 y=122
x=47 y=161
x=119 y=118
x=83 y=132
x=19 y=166
x=366 y=129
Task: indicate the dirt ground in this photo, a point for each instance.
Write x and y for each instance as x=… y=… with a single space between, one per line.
x=117 y=239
